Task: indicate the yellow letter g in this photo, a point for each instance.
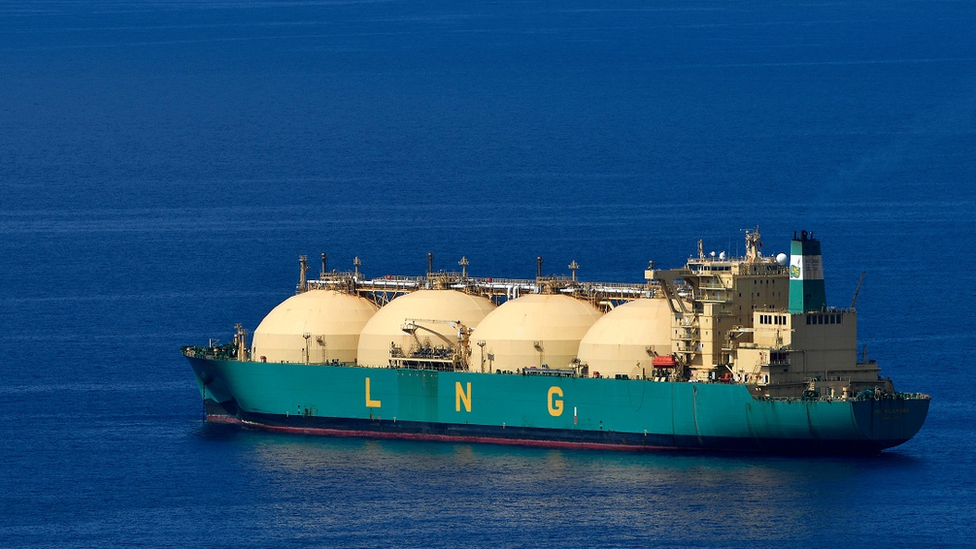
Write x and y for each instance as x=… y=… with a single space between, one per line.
x=555 y=404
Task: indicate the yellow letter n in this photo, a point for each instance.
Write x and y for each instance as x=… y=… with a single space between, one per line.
x=462 y=396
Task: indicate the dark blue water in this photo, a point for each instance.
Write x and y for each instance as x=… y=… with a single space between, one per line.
x=164 y=163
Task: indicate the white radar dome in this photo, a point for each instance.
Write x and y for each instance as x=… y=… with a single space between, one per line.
x=782 y=259
x=331 y=319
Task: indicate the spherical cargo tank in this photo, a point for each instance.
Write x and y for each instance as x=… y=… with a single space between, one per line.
x=431 y=311
x=532 y=330
x=627 y=338
x=332 y=320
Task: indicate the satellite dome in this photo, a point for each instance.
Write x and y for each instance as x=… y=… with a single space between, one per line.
x=627 y=338
x=432 y=311
x=782 y=259
x=331 y=319
x=532 y=330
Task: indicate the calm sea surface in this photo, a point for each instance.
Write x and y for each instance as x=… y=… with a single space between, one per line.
x=164 y=163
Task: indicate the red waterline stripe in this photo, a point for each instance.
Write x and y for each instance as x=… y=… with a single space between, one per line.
x=441 y=438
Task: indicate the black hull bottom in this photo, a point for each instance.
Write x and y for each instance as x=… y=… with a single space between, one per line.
x=228 y=412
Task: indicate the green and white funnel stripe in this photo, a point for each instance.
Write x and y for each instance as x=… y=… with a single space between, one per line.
x=806 y=275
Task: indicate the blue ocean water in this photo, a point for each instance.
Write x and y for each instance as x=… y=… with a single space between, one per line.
x=163 y=164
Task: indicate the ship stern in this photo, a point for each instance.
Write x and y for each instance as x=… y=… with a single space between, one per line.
x=889 y=420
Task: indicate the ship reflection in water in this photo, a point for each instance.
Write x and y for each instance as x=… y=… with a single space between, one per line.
x=372 y=488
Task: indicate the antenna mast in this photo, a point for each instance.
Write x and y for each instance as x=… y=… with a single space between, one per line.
x=574 y=266
x=858 y=289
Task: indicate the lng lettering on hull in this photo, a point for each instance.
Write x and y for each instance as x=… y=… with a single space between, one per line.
x=554 y=401
x=723 y=353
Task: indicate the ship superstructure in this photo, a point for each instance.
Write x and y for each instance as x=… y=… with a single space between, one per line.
x=736 y=353
x=764 y=322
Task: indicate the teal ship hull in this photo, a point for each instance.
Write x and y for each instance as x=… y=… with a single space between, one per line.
x=542 y=410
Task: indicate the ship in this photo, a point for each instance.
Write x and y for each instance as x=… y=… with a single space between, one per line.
x=722 y=354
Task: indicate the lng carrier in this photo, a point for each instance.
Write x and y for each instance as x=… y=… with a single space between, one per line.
x=723 y=353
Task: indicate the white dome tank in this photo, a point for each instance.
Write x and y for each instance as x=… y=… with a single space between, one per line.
x=433 y=311
x=332 y=319
x=618 y=343
x=532 y=330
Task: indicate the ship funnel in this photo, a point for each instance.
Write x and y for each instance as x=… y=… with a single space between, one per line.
x=806 y=275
